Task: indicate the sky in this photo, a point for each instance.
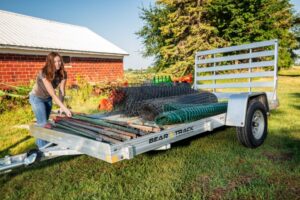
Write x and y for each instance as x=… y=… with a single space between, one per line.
x=114 y=20
x=296 y=4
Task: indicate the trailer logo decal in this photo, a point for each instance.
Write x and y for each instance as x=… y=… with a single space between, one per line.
x=158 y=138
x=185 y=130
x=171 y=135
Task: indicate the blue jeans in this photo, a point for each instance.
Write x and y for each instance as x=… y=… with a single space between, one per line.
x=42 y=109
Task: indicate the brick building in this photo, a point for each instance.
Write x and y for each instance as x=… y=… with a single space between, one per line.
x=25 y=41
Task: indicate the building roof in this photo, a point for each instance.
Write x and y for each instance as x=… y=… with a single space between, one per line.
x=25 y=33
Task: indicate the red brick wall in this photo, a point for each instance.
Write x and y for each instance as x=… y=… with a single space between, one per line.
x=95 y=69
x=20 y=69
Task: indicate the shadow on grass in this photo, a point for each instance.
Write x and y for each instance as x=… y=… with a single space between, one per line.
x=295 y=94
x=6 y=150
x=187 y=142
x=277 y=111
x=283 y=143
x=286 y=141
x=291 y=75
x=296 y=106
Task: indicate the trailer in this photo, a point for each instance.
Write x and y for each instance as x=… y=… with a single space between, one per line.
x=255 y=64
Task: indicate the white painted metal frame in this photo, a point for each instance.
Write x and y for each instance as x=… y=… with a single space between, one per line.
x=249 y=74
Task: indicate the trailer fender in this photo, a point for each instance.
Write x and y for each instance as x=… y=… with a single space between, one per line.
x=237 y=107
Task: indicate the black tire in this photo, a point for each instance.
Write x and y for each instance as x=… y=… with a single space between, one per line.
x=255 y=131
x=38 y=153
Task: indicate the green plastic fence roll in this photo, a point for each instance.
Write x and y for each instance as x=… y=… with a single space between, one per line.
x=184 y=113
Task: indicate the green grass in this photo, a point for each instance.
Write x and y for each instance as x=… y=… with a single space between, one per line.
x=214 y=166
x=82 y=101
x=294 y=71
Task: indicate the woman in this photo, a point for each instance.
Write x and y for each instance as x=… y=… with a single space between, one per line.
x=49 y=78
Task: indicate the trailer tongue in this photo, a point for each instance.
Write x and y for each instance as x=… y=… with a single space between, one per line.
x=114 y=137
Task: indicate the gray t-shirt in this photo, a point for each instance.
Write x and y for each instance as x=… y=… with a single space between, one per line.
x=39 y=88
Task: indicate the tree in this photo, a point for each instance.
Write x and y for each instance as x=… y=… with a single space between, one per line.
x=153 y=39
x=175 y=29
x=296 y=31
x=244 y=21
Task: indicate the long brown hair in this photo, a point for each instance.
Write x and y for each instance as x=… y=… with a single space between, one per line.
x=49 y=68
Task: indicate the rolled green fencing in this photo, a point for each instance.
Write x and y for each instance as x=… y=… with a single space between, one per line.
x=178 y=106
x=179 y=113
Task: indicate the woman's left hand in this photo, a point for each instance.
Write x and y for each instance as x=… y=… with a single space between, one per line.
x=68 y=113
x=61 y=111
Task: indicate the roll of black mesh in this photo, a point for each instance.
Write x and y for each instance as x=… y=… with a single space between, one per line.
x=149 y=109
x=135 y=95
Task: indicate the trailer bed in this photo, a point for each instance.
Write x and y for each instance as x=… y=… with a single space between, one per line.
x=128 y=149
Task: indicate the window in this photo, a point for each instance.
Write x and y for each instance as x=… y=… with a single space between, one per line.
x=67 y=61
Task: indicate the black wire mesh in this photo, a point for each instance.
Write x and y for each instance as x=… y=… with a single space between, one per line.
x=149 y=109
x=135 y=95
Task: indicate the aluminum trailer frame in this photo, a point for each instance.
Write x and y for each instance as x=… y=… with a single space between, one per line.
x=237 y=112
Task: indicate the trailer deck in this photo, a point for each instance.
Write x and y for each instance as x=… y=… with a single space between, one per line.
x=128 y=149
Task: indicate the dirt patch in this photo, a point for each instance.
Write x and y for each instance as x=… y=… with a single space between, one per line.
x=200 y=184
x=220 y=192
x=202 y=181
x=275 y=157
x=289 y=186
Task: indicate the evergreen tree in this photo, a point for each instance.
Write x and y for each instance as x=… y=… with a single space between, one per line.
x=244 y=21
x=175 y=30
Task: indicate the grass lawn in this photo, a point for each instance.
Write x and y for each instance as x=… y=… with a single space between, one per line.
x=214 y=166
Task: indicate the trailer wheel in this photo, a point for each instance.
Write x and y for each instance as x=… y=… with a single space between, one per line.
x=37 y=152
x=254 y=133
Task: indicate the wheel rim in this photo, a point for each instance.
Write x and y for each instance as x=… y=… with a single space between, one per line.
x=258 y=124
